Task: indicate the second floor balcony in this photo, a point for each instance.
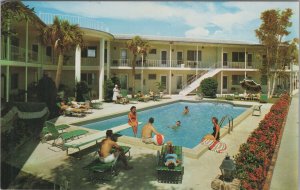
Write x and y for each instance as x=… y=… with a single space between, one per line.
x=184 y=64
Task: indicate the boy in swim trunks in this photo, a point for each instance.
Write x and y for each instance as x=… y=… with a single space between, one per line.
x=147 y=131
x=105 y=148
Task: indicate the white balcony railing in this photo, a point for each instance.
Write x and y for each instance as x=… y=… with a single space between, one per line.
x=81 y=21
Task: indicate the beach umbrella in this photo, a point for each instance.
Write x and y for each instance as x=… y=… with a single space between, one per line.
x=250 y=85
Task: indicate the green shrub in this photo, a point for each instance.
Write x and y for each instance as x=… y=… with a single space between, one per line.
x=209 y=87
x=82 y=91
x=108 y=90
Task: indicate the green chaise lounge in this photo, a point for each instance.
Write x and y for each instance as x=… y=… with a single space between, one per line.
x=65 y=136
x=105 y=171
x=166 y=175
x=45 y=130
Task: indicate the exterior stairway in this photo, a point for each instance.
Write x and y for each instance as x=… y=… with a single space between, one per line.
x=196 y=83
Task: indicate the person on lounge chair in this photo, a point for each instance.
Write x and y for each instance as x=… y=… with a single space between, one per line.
x=76 y=105
x=147 y=131
x=106 y=146
x=170 y=158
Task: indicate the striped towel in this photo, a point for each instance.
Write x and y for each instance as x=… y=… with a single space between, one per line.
x=213 y=145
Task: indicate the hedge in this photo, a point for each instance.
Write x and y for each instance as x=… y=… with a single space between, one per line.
x=254 y=157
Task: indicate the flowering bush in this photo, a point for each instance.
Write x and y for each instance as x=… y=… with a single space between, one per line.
x=254 y=157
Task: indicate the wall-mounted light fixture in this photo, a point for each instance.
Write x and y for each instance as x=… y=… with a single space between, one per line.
x=115 y=48
x=172 y=74
x=172 y=50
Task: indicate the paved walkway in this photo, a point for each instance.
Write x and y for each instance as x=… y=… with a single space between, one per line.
x=286 y=173
x=51 y=163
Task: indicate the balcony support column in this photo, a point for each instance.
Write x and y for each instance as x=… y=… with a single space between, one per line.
x=197 y=56
x=77 y=64
x=222 y=59
x=108 y=60
x=26 y=61
x=7 y=83
x=101 y=68
x=170 y=73
x=221 y=83
x=8 y=43
x=245 y=63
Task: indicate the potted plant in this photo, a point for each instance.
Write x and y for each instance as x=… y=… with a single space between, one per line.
x=161 y=87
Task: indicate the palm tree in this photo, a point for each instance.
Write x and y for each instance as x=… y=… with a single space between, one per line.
x=137 y=46
x=14 y=11
x=63 y=37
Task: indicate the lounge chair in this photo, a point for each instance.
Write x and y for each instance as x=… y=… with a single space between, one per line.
x=166 y=175
x=45 y=130
x=84 y=141
x=65 y=136
x=263 y=98
x=256 y=108
x=104 y=171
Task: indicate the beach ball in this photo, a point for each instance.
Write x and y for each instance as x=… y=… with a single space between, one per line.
x=158 y=139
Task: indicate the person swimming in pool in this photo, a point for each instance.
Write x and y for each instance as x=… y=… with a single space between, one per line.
x=178 y=124
x=186 y=110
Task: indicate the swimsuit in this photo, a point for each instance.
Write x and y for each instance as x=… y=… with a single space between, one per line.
x=171 y=158
x=108 y=159
x=132 y=119
x=214 y=133
x=147 y=140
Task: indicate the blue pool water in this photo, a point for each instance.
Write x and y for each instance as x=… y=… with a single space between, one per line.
x=194 y=126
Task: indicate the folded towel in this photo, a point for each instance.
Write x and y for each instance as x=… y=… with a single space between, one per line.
x=214 y=145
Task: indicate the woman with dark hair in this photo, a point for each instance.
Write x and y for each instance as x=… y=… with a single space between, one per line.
x=132 y=120
x=216 y=128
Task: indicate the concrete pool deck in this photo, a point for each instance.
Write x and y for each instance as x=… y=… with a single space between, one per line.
x=52 y=163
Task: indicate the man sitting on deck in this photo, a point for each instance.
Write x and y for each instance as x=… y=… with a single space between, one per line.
x=106 y=146
x=147 y=131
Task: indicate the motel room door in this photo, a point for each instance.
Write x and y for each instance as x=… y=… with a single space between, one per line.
x=164 y=81
x=225 y=59
x=123 y=81
x=225 y=83
x=163 y=58
x=179 y=83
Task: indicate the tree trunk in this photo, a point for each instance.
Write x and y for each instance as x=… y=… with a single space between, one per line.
x=273 y=84
x=133 y=75
x=59 y=69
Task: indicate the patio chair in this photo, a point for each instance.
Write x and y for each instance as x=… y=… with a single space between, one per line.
x=166 y=175
x=45 y=129
x=105 y=171
x=263 y=98
x=65 y=136
x=256 y=108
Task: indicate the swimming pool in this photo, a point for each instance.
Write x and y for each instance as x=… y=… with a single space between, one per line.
x=194 y=126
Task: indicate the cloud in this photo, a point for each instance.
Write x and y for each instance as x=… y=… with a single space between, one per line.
x=230 y=18
x=197 y=32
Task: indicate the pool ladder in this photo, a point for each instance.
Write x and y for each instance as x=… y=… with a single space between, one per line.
x=230 y=121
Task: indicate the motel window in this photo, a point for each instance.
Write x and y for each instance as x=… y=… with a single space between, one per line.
x=192 y=55
x=15 y=41
x=123 y=54
x=137 y=77
x=152 y=76
x=236 y=79
x=89 y=51
x=14 y=81
x=264 y=79
x=88 y=78
x=49 y=51
x=238 y=56
x=249 y=59
x=152 y=51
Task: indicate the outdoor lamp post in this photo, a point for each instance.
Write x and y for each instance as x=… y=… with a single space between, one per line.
x=227 y=169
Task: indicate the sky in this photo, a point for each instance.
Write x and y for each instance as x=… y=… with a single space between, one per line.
x=217 y=20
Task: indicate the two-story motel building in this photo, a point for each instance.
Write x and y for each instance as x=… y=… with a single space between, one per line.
x=175 y=62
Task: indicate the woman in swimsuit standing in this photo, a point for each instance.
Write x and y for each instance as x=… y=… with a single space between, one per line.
x=132 y=120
